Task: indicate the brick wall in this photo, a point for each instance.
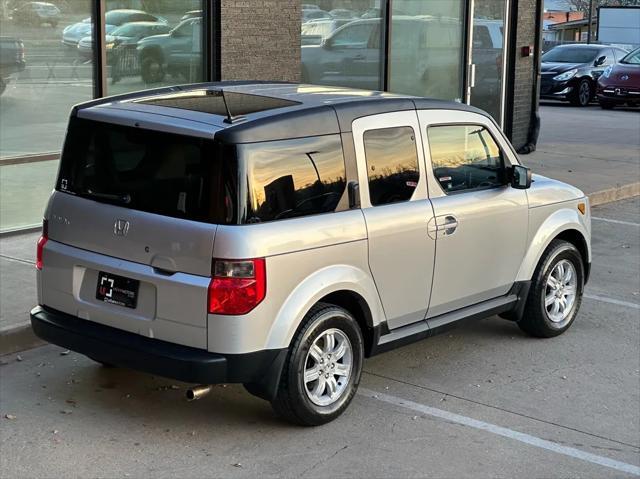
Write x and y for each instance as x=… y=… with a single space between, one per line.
x=525 y=12
x=260 y=40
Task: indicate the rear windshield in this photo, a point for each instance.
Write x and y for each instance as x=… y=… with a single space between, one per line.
x=156 y=172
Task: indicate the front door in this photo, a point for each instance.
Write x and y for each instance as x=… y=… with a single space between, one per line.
x=480 y=222
x=397 y=213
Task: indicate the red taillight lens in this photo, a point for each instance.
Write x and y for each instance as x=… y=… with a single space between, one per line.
x=237 y=286
x=41 y=242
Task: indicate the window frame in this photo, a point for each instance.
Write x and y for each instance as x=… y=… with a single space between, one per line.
x=506 y=161
x=405 y=118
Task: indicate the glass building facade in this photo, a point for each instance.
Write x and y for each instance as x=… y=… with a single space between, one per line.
x=57 y=54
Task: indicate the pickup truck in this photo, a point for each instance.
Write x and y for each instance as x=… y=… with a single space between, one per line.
x=11 y=59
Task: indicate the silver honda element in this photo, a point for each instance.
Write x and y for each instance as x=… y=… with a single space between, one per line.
x=275 y=235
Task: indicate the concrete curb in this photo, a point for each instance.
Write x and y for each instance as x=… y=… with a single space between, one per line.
x=18 y=338
x=22 y=337
x=614 y=194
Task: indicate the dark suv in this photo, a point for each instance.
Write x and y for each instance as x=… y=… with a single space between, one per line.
x=570 y=72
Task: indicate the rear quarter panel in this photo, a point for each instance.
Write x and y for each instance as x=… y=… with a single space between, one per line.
x=306 y=259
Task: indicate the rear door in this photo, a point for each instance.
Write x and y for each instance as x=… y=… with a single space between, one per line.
x=393 y=193
x=137 y=208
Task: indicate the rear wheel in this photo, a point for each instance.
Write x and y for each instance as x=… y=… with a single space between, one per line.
x=152 y=69
x=322 y=371
x=581 y=95
x=556 y=291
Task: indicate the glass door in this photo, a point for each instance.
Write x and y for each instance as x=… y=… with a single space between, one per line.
x=487 y=51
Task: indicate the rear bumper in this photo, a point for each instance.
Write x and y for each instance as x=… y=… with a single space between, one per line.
x=129 y=350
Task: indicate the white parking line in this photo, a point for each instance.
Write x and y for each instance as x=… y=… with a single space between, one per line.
x=612 y=301
x=619 y=222
x=503 y=431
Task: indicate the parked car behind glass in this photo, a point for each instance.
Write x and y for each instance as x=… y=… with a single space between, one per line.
x=620 y=83
x=570 y=72
x=127 y=34
x=176 y=52
x=72 y=34
x=36 y=14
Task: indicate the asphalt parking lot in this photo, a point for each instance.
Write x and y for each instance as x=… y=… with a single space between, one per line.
x=483 y=400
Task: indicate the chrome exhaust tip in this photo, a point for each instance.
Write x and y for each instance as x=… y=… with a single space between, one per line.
x=197 y=392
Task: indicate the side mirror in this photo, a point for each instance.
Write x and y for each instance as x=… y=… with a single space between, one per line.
x=520 y=177
x=599 y=61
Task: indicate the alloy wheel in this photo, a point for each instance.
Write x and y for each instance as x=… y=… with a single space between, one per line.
x=560 y=291
x=328 y=367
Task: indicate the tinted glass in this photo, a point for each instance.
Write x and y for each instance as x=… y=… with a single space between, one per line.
x=344 y=49
x=571 y=55
x=426 y=47
x=151 y=171
x=292 y=178
x=43 y=74
x=153 y=60
x=465 y=157
x=392 y=164
x=632 y=58
x=487 y=55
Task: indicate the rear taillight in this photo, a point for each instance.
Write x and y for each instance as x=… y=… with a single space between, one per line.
x=41 y=242
x=237 y=286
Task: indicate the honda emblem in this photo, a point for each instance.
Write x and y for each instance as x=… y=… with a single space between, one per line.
x=121 y=227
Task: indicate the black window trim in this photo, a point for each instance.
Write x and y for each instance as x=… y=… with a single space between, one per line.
x=505 y=158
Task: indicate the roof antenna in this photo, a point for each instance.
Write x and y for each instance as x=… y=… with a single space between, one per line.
x=230 y=118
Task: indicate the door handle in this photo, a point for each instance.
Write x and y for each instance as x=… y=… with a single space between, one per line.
x=444 y=225
x=359 y=57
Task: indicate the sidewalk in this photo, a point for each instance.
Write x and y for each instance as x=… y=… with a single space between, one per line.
x=593 y=149
x=596 y=150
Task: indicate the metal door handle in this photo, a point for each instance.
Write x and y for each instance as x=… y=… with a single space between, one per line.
x=441 y=226
x=359 y=57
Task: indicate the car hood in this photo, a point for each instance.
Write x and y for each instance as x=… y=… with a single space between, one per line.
x=154 y=39
x=623 y=75
x=552 y=67
x=546 y=191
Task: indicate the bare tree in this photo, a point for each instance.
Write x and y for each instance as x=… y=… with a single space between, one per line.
x=583 y=5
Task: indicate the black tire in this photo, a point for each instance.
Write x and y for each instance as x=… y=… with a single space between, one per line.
x=152 y=70
x=292 y=402
x=536 y=320
x=3 y=85
x=582 y=93
x=606 y=105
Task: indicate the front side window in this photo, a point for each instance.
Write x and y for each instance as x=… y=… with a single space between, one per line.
x=293 y=178
x=392 y=164
x=353 y=36
x=465 y=157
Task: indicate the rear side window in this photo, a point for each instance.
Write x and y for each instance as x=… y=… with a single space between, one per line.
x=465 y=157
x=161 y=173
x=292 y=178
x=392 y=164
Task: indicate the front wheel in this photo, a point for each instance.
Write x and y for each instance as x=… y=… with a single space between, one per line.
x=582 y=93
x=322 y=371
x=556 y=291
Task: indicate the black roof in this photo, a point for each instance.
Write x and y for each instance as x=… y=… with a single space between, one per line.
x=265 y=111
